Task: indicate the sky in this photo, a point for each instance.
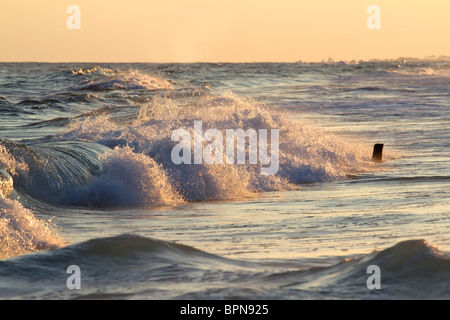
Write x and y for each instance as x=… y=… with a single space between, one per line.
x=221 y=31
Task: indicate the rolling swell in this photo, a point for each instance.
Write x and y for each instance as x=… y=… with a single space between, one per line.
x=111 y=263
x=411 y=269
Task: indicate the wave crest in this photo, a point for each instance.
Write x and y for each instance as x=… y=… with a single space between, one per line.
x=131 y=80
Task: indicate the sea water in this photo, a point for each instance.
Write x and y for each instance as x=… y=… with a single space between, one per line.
x=87 y=180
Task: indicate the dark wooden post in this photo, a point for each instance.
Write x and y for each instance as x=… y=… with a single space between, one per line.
x=377 y=155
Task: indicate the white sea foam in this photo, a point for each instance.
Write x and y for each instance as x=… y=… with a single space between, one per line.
x=127 y=179
x=97 y=70
x=21 y=232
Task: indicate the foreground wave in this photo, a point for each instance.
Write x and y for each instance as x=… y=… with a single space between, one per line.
x=157 y=269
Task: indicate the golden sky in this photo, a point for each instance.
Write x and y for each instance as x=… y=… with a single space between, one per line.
x=221 y=31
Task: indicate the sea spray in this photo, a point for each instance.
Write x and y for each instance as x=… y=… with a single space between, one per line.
x=6 y=183
x=128 y=179
x=220 y=152
x=12 y=165
x=21 y=232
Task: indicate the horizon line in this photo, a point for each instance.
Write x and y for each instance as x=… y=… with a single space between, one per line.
x=328 y=60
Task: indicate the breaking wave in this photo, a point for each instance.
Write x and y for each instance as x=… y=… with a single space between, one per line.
x=102 y=162
x=306 y=154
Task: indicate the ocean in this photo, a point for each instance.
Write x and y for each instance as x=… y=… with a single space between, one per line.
x=93 y=206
